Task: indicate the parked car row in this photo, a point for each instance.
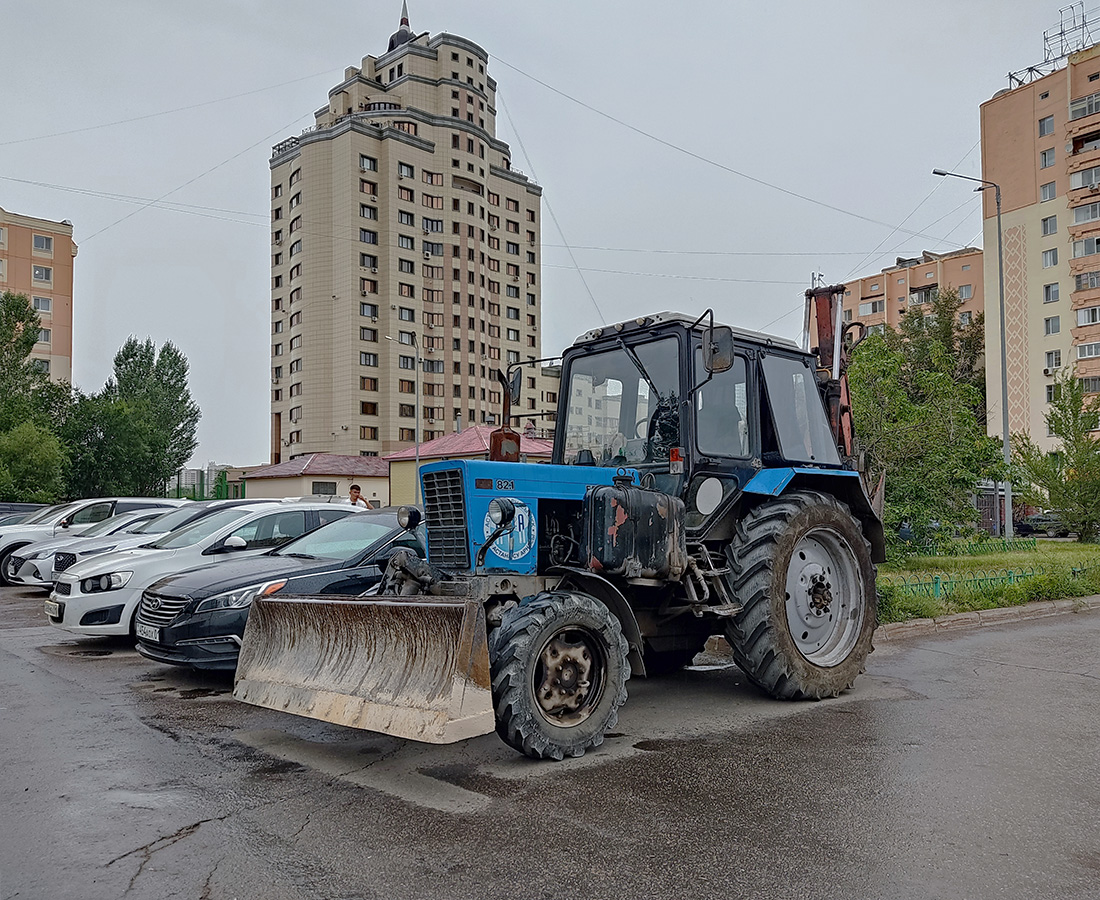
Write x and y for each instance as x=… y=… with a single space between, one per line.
x=180 y=581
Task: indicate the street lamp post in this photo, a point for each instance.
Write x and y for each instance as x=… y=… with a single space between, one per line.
x=983 y=186
x=416 y=429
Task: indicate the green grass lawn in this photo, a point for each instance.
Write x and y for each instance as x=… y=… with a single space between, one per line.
x=1053 y=570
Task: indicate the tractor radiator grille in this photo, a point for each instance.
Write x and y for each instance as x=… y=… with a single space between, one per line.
x=62 y=561
x=156 y=609
x=445 y=517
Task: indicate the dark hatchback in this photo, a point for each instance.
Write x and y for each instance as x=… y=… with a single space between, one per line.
x=198 y=616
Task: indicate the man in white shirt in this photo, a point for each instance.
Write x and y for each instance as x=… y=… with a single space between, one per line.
x=354 y=499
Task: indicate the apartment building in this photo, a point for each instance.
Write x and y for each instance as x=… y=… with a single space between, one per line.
x=1041 y=144
x=36 y=259
x=404 y=257
x=908 y=286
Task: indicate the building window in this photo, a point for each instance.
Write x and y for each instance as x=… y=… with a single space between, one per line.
x=872 y=307
x=295 y=366
x=368 y=164
x=368 y=433
x=368 y=359
x=368 y=334
x=43 y=243
x=1088 y=351
x=1046 y=126
x=405 y=314
x=1088 y=316
x=1054 y=392
x=1090 y=212
x=1050 y=257
x=277 y=350
x=1052 y=325
x=1054 y=359
x=432 y=225
x=1085 y=106
x=41 y=365
x=277 y=327
x=406 y=218
x=368 y=408
x=1046 y=158
x=1050 y=223
x=966 y=291
x=406 y=362
x=41 y=273
x=43 y=335
x=965 y=318
x=367 y=236
x=367 y=212
x=1086 y=247
x=1047 y=192
x=406 y=434
x=407 y=266
x=406 y=194
x=42 y=304
x=1050 y=291
x=405 y=242
x=1091 y=385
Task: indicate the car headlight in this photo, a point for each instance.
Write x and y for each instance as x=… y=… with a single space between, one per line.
x=111 y=582
x=241 y=597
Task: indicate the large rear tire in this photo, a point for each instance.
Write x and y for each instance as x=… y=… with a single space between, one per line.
x=559 y=669
x=802 y=568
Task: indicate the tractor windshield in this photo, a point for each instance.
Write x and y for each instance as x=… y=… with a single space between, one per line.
x=624 y=406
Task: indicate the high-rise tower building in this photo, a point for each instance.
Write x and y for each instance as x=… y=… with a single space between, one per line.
x=405 y=264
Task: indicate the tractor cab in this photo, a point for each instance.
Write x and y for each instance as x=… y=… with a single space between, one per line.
x=697 y=409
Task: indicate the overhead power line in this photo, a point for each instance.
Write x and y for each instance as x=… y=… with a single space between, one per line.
x=715 y=163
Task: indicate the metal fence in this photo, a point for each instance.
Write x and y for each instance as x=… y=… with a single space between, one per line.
x=947 y=583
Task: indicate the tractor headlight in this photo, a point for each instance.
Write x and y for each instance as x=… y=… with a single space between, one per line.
x=240 y=598
x=110 y=582
x=501 y=511
x=408 y=517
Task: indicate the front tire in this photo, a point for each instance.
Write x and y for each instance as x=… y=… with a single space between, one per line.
x=559 y=669
x=5 y=564
x=802 y=568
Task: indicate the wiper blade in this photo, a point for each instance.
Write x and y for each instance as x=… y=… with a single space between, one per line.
x=298 y=555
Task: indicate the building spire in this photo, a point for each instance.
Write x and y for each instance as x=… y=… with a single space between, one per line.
x=404 y=33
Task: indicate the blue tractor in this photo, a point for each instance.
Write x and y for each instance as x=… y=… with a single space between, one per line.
x=704 y=482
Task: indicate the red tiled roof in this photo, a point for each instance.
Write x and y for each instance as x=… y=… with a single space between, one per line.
x=326 y=464
x=471 y=442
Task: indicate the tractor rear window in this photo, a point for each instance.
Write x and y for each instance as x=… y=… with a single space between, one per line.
x=797 y=411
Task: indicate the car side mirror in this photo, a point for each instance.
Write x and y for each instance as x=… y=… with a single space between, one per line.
x=234 y=542
x=718 y=349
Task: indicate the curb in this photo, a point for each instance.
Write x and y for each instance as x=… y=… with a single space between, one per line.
x=899 y=631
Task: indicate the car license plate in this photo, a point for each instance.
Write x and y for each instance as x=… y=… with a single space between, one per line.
x=148 y=632
x=53 y=609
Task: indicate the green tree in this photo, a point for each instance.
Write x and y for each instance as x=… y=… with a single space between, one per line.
x=914 y=412
x=155 y=385
x=110 y=441
x=32 y=463
x=1068 y=478
x=26 y=392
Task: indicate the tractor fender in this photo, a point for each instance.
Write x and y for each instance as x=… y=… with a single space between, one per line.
x=610 y=596
x=844 y=484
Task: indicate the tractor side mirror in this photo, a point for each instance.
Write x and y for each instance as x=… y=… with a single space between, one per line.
x=718 y=349
x=515 y=385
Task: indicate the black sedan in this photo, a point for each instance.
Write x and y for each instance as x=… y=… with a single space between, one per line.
x=197 y=618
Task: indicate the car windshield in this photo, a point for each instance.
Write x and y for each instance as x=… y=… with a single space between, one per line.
x=49 y=513
x=168 y=521
x=342 y=539
x=619 y=415
x=106 y=526
x=198 y=531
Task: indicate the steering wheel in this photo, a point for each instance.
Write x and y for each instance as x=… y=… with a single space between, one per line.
x=640 y=431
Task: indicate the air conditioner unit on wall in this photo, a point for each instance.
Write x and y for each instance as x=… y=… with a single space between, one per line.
x=362 y=293
x=374 y=270
x=374 y=198
x=427 y=254
x=1048 y=371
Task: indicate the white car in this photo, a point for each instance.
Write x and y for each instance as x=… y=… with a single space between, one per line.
x=81 y=548
x=100 y=596
x=32 y=565
x=68 y=518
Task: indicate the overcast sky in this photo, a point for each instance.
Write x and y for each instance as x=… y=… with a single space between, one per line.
x=784 y=139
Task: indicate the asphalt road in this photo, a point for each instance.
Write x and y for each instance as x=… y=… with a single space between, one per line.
x=961 y=766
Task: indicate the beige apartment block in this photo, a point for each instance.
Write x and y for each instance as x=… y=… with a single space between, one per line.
x=1041 y=144
x=404 y=257
x=36 y=259
x=907 y=288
